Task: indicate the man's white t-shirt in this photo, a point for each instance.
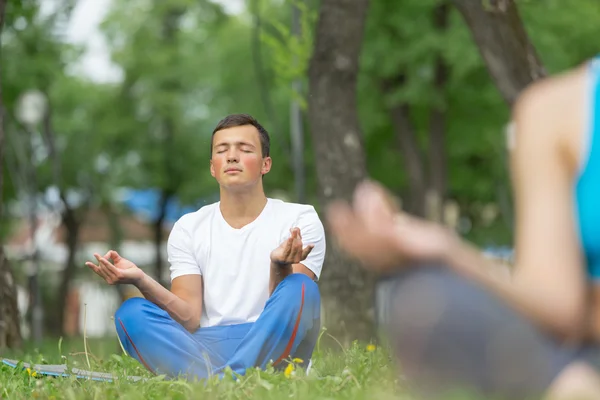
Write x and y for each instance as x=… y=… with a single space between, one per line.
x=235 y=263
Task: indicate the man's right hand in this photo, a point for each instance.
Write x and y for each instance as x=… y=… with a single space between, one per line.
x=122 y=271
x=290 y=251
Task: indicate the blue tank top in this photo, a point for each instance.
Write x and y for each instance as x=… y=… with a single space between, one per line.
x=587 y=191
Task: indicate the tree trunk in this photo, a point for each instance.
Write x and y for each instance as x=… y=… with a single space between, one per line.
x=72 y=225
x=347 y=290
x=498 y=31
x=413 y=159
x=509 y=55
x=437 y=129
x=10 y=329
x=158 y=234
x=172 y=183
x=296 y=126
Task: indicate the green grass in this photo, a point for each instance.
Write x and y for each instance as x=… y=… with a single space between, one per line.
x=359 y=372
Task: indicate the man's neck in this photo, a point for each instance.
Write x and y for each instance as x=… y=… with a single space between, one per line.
x=239 y=208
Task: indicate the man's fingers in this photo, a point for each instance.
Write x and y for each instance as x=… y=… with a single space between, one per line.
x=290 y=244
x=296 y=234
x=287 y=248
x=101 y=270
x=104 y=266
x=97 y=270
x=93 y=267
x=114 y=271
x=112 y=255
x=108 y=255
x=297 y=252
x=306 y=251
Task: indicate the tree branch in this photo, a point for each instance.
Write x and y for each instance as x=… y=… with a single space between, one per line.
x=503 y=43
x=406 y=137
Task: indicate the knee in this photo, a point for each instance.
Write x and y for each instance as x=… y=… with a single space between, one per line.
x=298 y=291
x=132 y=312
x=435 y=304
x=300 y=285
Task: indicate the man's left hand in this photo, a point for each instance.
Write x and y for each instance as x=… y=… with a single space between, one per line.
x=291 y=250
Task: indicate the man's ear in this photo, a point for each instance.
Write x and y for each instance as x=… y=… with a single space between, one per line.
x=266 y=165
x=212 y=168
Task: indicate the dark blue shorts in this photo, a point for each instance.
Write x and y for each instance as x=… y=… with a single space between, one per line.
x=448 y=333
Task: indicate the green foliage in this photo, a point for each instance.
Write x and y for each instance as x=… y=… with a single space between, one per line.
x=401 y=40
x=562 y=35
x=187 y=63
x=35 y=58
x=289 y=53
x=187 y=79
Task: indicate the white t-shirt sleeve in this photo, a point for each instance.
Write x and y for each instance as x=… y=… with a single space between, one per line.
x=180 y=253
x=312 y=232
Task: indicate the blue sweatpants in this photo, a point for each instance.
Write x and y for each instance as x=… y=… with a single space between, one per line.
x=288 y=327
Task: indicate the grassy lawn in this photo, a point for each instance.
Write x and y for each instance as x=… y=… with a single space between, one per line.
x=359 y=372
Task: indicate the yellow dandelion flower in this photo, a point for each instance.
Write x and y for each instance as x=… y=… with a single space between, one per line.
x=298 y=360
x=288 y=370
x=371 y=347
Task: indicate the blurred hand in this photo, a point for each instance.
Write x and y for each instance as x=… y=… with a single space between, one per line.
x=122 y=271
x=374 y=231
x=291 y=251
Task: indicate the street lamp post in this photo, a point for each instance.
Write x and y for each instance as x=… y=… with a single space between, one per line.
x=30 y=112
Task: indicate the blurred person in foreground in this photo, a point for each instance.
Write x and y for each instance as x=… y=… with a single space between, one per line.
x=453 y=323
x=243 y=274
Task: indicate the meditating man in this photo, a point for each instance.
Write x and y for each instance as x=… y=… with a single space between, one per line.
x=243 y=274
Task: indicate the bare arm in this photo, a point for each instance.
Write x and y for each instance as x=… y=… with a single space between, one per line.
x=548 y=283
x=280 y=271
x=183 y=302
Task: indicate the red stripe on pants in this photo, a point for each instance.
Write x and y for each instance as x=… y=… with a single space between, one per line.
x=288 y=348
x=134 y=347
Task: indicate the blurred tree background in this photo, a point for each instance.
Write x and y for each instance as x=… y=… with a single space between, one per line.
x=415 y=94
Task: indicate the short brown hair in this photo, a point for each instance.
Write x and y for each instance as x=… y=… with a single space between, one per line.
x=233 y=120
